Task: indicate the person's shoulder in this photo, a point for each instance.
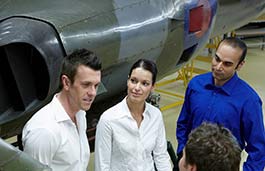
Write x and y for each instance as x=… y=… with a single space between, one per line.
x=247 y=89
x=201 y=79
x=203 y=76
x=152 y=108
x=112 y=113
x=42 y=119
x=154 y=111
x=41 y=124
x=35 y=134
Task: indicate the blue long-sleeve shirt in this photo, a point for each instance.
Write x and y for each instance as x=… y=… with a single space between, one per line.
x=235 y=105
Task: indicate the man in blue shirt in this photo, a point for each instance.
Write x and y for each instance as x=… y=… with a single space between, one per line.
x=222 y=97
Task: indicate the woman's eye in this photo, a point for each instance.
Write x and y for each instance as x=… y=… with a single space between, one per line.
x=133 y=80
x=146 y=84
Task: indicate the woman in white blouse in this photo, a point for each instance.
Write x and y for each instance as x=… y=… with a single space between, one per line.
x=131 y=135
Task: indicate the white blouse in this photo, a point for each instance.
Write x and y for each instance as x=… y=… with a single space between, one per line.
x=122 y=146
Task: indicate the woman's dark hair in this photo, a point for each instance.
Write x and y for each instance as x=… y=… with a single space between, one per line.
x=147 y=65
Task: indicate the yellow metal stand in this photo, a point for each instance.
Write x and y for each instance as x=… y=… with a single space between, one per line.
x=186 y=73
x=171 y=105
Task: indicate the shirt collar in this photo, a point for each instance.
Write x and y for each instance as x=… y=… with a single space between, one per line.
x=126 y=108
x=59 y=113
x=227 y=88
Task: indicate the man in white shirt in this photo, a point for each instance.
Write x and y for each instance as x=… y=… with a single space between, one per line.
x=56 y=134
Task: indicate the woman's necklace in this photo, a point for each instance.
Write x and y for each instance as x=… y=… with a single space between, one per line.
x=137 y=118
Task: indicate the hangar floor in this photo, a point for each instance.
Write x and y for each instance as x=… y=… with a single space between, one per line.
x=252 y=72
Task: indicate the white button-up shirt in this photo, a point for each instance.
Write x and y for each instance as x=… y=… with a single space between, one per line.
x=51 y=137
x=122 y=146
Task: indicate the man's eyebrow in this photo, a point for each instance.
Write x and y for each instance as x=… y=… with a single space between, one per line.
x=217 y=55
x=230 y=62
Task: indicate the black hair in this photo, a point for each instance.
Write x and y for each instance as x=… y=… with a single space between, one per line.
x=147 y=65
x=236 y=43
x=77 y=58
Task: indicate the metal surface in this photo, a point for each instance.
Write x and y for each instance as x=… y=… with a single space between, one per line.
x=12 y=159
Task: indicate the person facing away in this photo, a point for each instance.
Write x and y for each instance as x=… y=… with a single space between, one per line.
x=56 y=134
x=210 y=148
x=131 y=135
x=222 y=97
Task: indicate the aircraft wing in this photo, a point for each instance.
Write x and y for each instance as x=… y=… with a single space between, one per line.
x=13 y=159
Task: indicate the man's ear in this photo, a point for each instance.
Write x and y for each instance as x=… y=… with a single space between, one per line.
x=65 y=82
x=240 y=65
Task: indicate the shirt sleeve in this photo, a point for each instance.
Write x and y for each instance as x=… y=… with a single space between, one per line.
x=183 y=127
x=254 y=134
x=41 y=145
x=161 y=156
x=103 y=145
